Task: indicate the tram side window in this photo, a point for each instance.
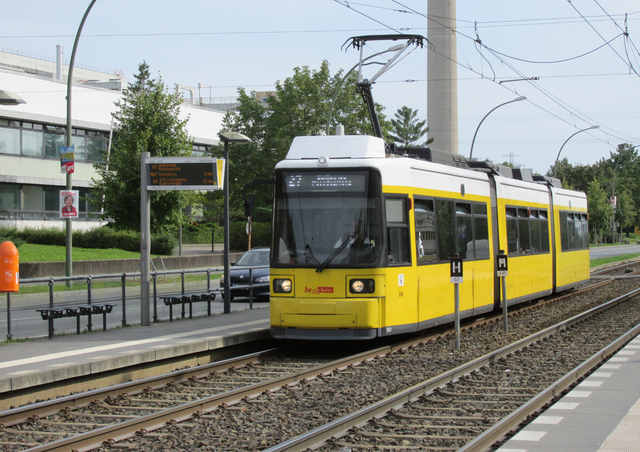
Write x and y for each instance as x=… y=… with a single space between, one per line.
x=425 y=219
x=481 y=231
x=527 y=231
x=398 y=230
x=544 y=231
x=534 y=224
x=446 y=229
x=464 y=229
x=523 y=231
x=574 y=232
x=571 y=230
x=564 y=237
x=512 y=231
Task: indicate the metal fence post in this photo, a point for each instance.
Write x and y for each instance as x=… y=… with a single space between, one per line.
x=155 y=297
x=89 y=325
x=51 y=306
x=251 y=287
x=124 y=300
x=51 y=292
x=182 y=276
x=9 y=335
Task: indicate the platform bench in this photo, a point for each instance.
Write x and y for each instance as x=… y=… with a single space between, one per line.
x=188 y=298
x=76 y=311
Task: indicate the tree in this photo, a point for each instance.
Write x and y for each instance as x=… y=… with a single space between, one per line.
x=625 y=210
x=600 y=211
x=146 y=121
x=406 y=128
x=299 y=106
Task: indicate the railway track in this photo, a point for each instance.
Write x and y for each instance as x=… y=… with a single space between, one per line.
x=470 y=408
x=209 y=394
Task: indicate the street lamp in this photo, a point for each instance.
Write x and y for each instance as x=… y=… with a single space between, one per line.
x=613 y=194
x=228 y=137
x=9 y=98
x=68 y=141
x=517 y=99
x=555 y=170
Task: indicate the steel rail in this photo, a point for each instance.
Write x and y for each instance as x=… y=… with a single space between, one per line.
x=340 y=427
x=533 y=406
x=113 y=433
x=49 y=407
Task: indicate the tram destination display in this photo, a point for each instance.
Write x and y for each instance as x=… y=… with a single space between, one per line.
x=180 y=173
x=326 y=182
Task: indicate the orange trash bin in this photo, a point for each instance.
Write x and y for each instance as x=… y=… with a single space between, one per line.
x=9 y=267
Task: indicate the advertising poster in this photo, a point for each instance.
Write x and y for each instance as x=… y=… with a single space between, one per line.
x=69 y=203
x=67 y=157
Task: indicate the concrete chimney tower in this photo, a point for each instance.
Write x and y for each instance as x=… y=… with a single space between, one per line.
x=442 y=76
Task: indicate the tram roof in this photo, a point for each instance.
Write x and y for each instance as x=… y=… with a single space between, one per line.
x=336 y=146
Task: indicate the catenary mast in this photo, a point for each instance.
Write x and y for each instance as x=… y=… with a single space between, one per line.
x=442 y=76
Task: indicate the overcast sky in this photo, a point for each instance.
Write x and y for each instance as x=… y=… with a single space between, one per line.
x=254 y=43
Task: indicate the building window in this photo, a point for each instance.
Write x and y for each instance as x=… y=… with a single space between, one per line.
x=32 y=143
x=52 y=199
x=9 y=197
x=38 y=140
x=9 y=141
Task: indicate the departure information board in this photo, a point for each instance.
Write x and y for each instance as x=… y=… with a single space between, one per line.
x=182 y=173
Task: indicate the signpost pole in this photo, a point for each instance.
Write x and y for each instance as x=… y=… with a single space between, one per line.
x=456 y=279
x=505 y=315
x=502 y=273
x=457 y=318
x=145 y=243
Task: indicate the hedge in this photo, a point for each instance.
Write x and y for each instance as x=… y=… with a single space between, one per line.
x=102 y=238
x=239 y=240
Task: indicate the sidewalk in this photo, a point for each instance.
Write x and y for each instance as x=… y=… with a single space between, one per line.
x=200 y=249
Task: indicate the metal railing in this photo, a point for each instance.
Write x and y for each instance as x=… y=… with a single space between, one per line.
x=44 y=215
x=125 y=279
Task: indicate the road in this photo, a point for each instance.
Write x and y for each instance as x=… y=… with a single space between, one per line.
x=612 y=251
x=26 y=322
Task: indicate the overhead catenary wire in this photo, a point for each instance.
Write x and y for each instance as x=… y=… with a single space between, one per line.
x=627 y=62
x=572 y=111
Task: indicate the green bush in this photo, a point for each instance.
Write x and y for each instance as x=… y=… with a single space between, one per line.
x=99 y=238
x=9 y=235
x=201 y=233
x=162 y=244
x=239 y=240
x=42 y=236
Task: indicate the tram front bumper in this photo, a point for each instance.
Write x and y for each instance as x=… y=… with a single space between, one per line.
x=325 y=313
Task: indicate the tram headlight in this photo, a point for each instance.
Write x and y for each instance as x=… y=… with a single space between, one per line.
x=282 y=286
x=362 y=286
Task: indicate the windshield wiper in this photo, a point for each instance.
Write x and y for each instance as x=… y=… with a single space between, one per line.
x=350 y=239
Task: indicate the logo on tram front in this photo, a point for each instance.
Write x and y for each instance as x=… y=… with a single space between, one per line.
x=318 y=290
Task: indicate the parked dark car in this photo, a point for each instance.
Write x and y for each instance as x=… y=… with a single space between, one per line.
x=258 y=260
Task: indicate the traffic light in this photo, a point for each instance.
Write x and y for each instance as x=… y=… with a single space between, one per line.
x=248 y=204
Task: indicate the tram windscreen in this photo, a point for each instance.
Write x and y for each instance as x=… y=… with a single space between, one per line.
x=329 y=217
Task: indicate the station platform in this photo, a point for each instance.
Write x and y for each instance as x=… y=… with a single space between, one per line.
x=44 y=361
x=601 y=414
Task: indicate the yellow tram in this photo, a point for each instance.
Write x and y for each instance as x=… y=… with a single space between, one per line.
x=362 y=238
